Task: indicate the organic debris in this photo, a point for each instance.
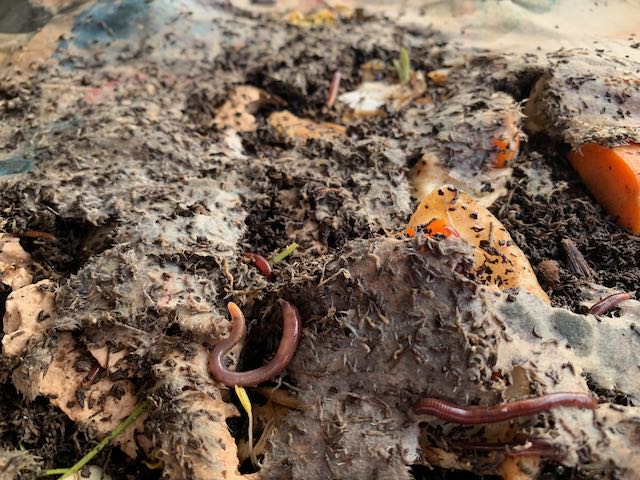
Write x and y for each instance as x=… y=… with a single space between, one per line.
x=320 y=17
x=293 y=128
x=18 y=464
x=28 y=314
x=497 y=260
x=237 y=113
x=105 y=441
x=13 y=263
x=599 y=101
x=372 y=99
x=477 y=137
x=489 y=346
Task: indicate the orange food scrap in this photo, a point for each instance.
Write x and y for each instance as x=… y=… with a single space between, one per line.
x=497 y=259
x=521 y=468
x=237 y=112
x=612 y=175
x=439 y=77
x=506 y=142
x=435 y=227
x=286 y=124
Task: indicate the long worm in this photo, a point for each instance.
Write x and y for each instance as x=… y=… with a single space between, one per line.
x=292 y=327
x=476 y=415
x=535 y=446
x=607 y=303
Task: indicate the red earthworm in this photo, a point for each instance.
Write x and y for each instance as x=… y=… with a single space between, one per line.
x=535 y=446
x=607 y=303
x=261 y=263
x=292 y=327
x=475 y=415
x=332 y=94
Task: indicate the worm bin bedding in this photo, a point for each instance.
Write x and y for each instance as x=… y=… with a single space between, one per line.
x=314 y=244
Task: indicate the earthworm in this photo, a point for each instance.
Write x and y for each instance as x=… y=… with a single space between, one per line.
x=292 y=327
x=474 y=415
x=261 y=263
x=535 y=446
x=332 y=94
x=607 y=303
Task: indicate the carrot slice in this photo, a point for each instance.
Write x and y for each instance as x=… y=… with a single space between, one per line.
x=613 y=177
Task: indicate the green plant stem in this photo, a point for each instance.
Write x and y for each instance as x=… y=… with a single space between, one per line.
x=285 y=253
x=55 y=471
x=105 y=441
x=403 y=66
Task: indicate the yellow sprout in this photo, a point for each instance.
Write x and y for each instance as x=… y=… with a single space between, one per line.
x=246 y=404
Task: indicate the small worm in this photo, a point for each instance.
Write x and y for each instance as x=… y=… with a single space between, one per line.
x=474 y=415
x=292 y=327
x=261 y=263
x=607 y=303
x=535 y=446
x=332 y=94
